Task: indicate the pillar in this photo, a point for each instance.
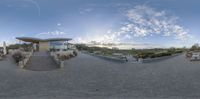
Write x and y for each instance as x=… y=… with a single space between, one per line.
x=4 y=48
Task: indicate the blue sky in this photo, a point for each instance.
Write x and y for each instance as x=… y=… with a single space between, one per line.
x=159 y=23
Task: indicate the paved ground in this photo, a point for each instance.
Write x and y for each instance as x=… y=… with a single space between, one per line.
x=88 y=77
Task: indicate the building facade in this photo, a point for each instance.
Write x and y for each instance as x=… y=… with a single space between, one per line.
x=47 y=44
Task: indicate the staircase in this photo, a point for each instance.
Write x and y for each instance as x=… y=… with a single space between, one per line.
x=41 y=61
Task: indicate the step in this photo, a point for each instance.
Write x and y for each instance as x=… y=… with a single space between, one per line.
x=41 y=62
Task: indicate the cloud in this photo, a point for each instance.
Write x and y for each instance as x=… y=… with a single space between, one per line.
x=51 y=34
x=146 y=21
x=35 y=4
x=108 y=37
x=59 y=24
x=119 y=45
x=143 y=21
x=80 y=40
x=85 y=10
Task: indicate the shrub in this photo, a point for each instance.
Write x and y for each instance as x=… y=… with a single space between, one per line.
x=108 y=53
x=75 y=53
x=64 y=57
x=144 y=55
x=160 y=55
x=90 y=51
x=152 y=55
x=195 y=47
x=18 y=56
x=71 y=55
x=179 y=51
x=58 y=55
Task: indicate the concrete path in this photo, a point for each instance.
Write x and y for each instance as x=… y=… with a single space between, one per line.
x=41 y=61
x=88 y=77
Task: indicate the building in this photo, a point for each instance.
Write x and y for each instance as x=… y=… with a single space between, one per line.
x=47 y=44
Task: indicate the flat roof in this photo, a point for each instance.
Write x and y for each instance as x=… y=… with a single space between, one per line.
x=37 y=40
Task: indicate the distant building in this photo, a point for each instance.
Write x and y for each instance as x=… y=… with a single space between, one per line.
x=47 y=44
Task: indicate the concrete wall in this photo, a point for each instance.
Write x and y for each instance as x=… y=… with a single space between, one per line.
x=44 y=46
x=114 y=59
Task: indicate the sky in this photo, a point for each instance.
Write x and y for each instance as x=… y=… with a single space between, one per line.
x=145 y=23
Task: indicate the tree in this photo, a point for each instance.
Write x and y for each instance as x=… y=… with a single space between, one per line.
x=115 y=48
x=172 y=50
x=195 y=47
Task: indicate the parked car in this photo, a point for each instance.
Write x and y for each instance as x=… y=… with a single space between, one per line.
x=195 y=57
x=188 y=54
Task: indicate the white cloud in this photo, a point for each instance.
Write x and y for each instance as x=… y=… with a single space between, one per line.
x=35 y=4
x=144 y=21
x=147 y=21
x=85 y=10
x=59 y=24
x=80 y=40
x=51 y=34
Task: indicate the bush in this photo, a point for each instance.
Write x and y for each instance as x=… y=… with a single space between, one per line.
x=144 y=55
x=107 y=52
x=195 y=47
x=179 y=51
x=64 y=57
x=160 y=55
x=90 y=51
x=71 y=55
x=18 y=56
x=75 y=53
x=152 y=55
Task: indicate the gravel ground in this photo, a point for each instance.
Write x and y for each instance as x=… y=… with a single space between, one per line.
x=88 y=77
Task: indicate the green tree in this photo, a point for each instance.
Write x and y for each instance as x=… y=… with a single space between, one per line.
x=195 y=47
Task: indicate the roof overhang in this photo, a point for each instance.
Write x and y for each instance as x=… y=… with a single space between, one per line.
x=37 y=40
x=29 y=39
x=58 y=39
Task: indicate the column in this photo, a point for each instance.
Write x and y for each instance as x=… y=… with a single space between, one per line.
x=4 y=48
